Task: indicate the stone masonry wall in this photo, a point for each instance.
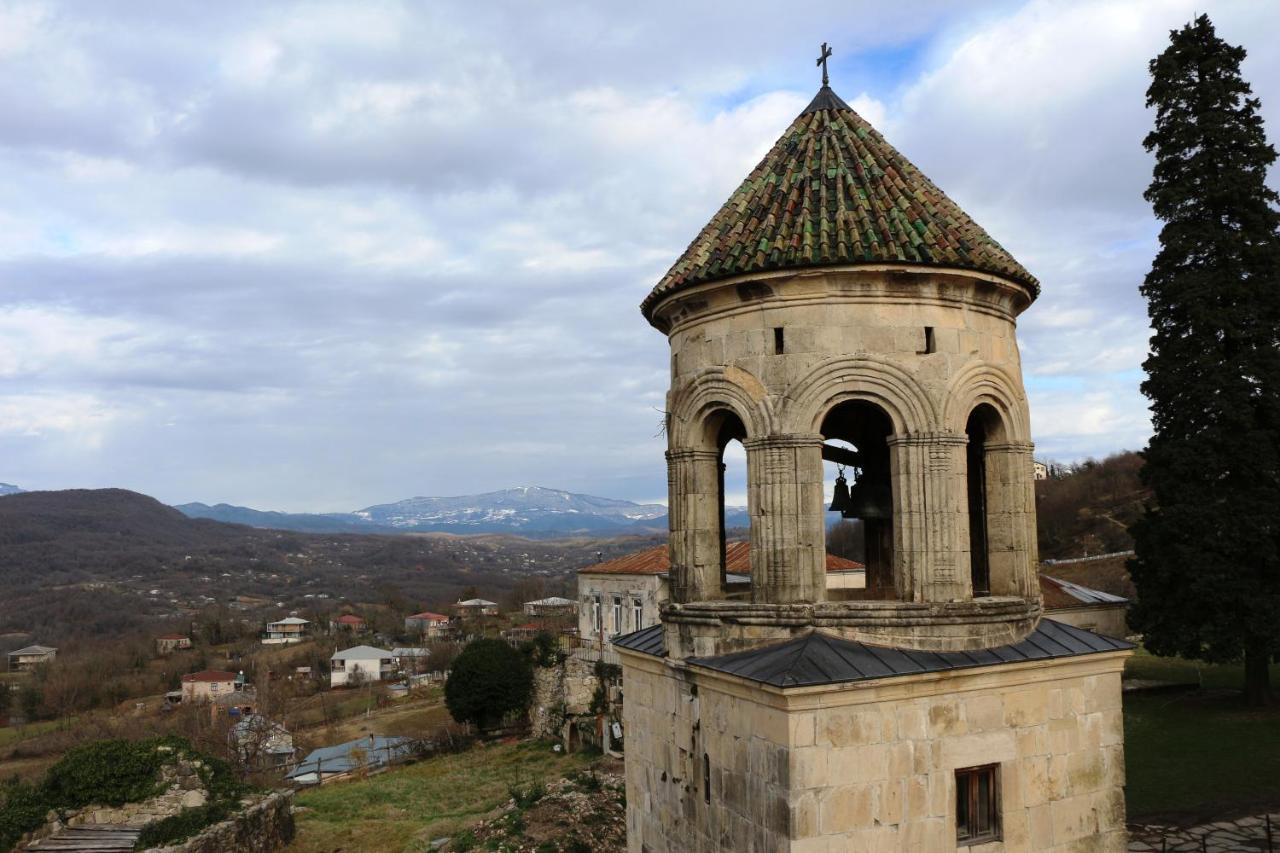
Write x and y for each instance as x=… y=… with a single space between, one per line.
x=261 y=827
x=872 y=766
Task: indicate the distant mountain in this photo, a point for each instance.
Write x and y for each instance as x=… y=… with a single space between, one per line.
x=335 y=522
x=532 y=511
x=9 y=489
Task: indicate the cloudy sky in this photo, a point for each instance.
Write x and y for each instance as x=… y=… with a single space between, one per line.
x=317 y=256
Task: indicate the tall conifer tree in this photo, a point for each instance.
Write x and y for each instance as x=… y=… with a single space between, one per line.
x=1207 y=565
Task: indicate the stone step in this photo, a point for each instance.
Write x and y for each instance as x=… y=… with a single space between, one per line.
x=90 y=839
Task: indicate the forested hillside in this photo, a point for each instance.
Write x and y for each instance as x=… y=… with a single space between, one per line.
x=1086 y=508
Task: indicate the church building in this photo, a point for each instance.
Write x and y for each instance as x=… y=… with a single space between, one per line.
x=840 y=307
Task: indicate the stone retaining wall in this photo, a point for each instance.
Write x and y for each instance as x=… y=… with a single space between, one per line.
x=262 y=827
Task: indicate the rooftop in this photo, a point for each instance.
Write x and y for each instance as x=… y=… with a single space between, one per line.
x=833 y=192
x=818 y=658
x=657 y=561
x=34 y=650
x=428 y=615
x=1060 y=594
x=361 y=652
x=210 y=675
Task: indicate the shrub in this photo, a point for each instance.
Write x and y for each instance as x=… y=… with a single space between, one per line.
x=525 y=797
x=489 y=680
x=181 y=826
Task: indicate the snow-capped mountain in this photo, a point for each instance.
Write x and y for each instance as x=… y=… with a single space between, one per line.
x=9 y=489
x=527 y=508
x=532 y=511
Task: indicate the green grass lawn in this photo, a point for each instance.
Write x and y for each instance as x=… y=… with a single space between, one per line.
x=1193 y=755
x=405 y=808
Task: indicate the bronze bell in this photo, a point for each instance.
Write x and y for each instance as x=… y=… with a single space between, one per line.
x=868 y=502
x=840 y=495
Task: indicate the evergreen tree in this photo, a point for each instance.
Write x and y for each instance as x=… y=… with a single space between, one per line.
x=489 y=680
x=1207 y=564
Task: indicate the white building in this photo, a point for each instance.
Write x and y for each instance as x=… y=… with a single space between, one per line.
x=361 y=663
x=553 y=606
x=291 y=629
x=476 y=607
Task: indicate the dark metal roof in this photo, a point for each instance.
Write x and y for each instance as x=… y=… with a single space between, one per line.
x=818 y=658
x=650 y=641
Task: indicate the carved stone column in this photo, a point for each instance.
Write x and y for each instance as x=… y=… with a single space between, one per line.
x=788 y=537
x=1011 y=518
x=931 y=533
x=693 y=489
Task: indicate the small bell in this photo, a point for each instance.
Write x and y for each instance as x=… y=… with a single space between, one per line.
x=840 y=495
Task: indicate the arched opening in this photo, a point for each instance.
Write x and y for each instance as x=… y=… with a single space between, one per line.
x=855 y=446
x=733 y=521
x=983 y=427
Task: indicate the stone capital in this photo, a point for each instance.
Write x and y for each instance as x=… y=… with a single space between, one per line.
x=784 y=440
x=688 y=454
x=924 y=439
x=1025 y=447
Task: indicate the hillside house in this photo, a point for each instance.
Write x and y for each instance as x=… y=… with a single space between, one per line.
x=410 y=660
x=476 y=607
x=1091 y=609
x=625 y=594
x=208 y=684
x=24 y=660
x=347 y=622
x=359 y=664
x=169 y=643
x=291 y=629
x=551 y=607
x=427 y=624
x=262 y=744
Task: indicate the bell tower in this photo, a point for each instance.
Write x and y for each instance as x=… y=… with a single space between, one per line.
x=839 y=307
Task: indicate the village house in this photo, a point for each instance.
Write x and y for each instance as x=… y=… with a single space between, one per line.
x=476 y=607
x=840 y=310
x=262 y=744
x=1039 y=470
x=551 y=607
x=347 y=622
x=208 y=684
x=24 y=660
x=291 y=629
x=169 y=643
x=1091 y=609
x=625 y=594
x=427 y=624
x=361 y=664
x=410 y=660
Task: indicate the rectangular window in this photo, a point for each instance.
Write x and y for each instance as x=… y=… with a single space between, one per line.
x=930 y=344
x=617 y=614
x=596 y=616
x=977 y=805
x=637 y=613
x=779 y=345
x=706 y=778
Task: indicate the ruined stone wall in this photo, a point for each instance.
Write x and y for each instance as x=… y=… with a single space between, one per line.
x=262 y=827
x=872 y=766
x=561 y=693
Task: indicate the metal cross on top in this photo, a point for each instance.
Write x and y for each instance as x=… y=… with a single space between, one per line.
x=822 y=60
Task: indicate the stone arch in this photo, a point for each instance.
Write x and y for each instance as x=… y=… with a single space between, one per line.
x=718 y=389
x=846 y=378
x=979 y=383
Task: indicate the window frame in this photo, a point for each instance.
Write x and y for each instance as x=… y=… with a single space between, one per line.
x=966 y=837
x=617 y=614
x=637 y=612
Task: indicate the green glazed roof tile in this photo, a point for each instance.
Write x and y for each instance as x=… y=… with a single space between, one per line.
x=832 y=191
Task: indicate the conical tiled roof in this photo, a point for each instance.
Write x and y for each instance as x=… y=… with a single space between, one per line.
x=832 y=191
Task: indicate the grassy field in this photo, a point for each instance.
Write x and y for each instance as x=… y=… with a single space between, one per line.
x=1198 y=753
x=405 y=808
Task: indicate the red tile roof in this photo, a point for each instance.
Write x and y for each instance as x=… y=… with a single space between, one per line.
x=210 y=675
x=172 y=637
x=833 y=192
x=349 y=619
x=427 y=615
x=657 y=561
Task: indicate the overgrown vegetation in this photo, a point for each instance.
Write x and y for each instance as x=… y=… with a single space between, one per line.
x=109 y=773
x=1086 y=508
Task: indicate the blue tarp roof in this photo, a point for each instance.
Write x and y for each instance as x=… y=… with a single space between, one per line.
x=377 y=751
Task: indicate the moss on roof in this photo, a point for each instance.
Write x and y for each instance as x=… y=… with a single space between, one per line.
x=833 y=192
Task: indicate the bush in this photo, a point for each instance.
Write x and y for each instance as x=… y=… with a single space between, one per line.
x=181 y=826
x=22 y=809
x=489 y=680
x=525 y=797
